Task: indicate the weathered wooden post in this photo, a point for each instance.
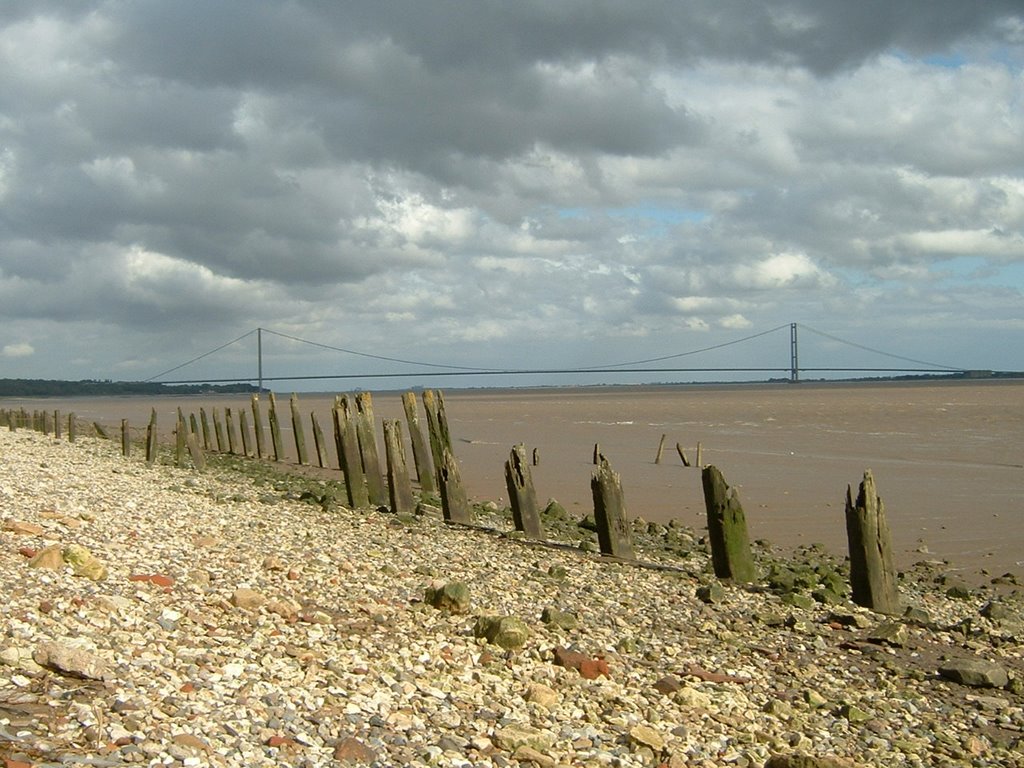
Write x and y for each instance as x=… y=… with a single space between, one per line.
x=193 y=425
x=257 y=425
x=275 y=429
x=72 y=426
x=56 y=425
x=872 y=572
x=536 y=457
x=420 y=454
x=126 y=439
x=318 y=441
x=348 y=454
x=297 y=431
x=186 y=439
x=46 y=422
x=661 y=449
x=229 y=425
x=151 y=438
x=367 y=436
x=442 y=423
x=682 y=455
x=433 y=431
x=179 y=441
x=613 y=532
x=205 y=424
x=521 y=494
x=727 y=529
x=399 y=487
x=597 y=454
x=454 y=503
x=243 y=427
x=700 y=455
x=218 y=431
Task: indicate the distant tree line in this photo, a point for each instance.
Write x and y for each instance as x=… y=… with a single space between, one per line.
x=54 y=388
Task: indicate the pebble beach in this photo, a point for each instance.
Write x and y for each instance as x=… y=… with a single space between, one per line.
x=243 y=616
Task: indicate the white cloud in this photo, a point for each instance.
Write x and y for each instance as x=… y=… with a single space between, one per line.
x=21 y=349
x=782 y=270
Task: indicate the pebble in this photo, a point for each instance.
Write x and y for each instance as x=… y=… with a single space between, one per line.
x=238 y=625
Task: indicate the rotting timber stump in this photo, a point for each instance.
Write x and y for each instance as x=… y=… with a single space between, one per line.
x=872 y=572
x=521 y=494
x=613 y=531
x=727 y=529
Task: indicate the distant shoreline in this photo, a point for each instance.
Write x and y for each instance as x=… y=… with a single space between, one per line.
x=57 y=388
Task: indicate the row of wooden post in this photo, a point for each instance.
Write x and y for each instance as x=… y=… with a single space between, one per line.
x=354 y=441
x=47 y=422
x=873 y=576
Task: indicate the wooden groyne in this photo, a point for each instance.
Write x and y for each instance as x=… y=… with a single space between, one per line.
x=433 y=478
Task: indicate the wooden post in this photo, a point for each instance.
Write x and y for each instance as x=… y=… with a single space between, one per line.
x=243 y=427
x=275 y=429
x=126 y=439
x=179 y=441
x=399 y=488
x=318 y=442
x=46 y=422
x=100 y=430
x=257 y=425
x=454 y=503
x=442 y=423
x=597 y=454
x=218 y=431
x=536 y=457
x=348 y=455
x=727 y=529
x=661 y=449
x=193 y=425
x=72 y=433
x=298 y=432
x=872 y=572
x=613 y=531
x=187 y=439
x=700 y=455
x=679 y=450
x=367 y=436
x=420 y=454
x=521 y=494
x=229 y=427
x=56 y=425
x=205 y=423
x=151 y=438
x=433 y=432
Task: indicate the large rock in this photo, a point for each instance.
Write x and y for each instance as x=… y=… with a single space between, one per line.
x=84 y=563
x=452 y=597
x=977 y=673
x=49 y=558
x=507 y=631
x=76 y=662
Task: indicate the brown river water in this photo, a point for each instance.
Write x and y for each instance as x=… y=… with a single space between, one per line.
x=948 y=458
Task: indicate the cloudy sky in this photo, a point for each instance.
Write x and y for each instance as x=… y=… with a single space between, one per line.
x=508 y=184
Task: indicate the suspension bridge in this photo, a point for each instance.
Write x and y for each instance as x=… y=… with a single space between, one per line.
x=661 y=364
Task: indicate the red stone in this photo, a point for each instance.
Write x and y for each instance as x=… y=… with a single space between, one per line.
x=281 y=741
x=28 y=552
x=353 y=751
x=591 y=669
x=157 y=579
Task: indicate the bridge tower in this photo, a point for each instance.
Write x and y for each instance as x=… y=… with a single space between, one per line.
x=259 y=358
x=794 y=355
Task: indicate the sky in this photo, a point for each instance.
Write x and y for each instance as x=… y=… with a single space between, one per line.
x=508 y=185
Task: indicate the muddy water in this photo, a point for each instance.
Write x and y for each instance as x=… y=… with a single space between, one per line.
x=947 y=457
